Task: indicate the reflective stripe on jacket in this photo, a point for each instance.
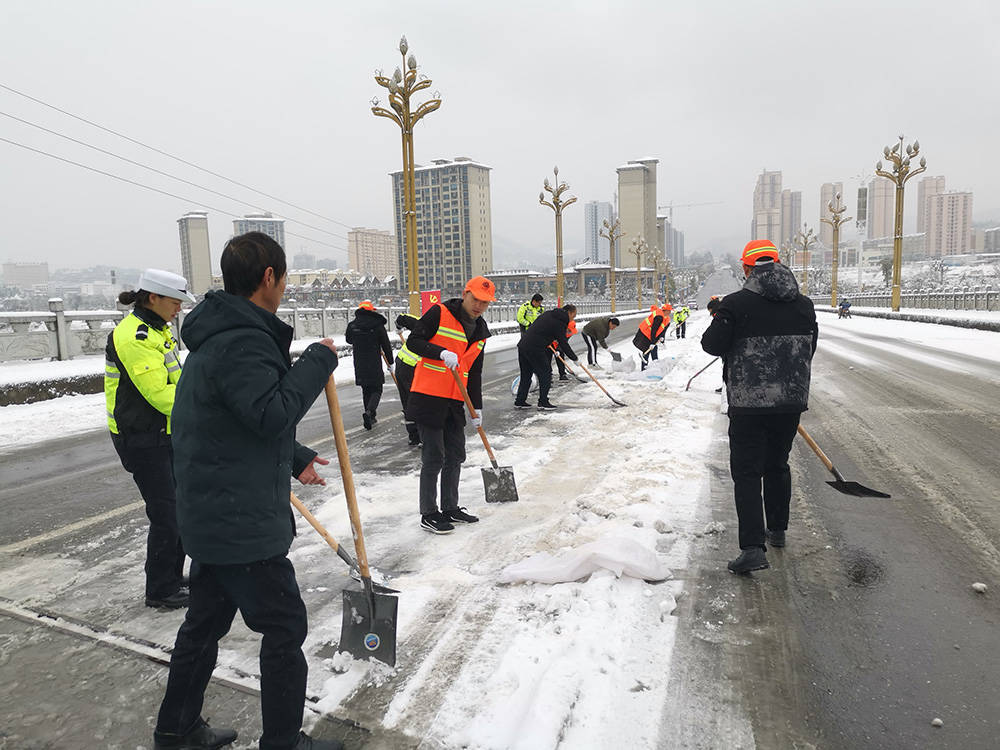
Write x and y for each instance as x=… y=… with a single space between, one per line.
x=646 y=326
x=431 y=376
x=527 y=313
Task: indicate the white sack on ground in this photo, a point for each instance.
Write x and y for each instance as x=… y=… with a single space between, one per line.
x=620 y=556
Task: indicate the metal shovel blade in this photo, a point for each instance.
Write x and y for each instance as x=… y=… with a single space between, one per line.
x=499 y=484
x=616 y=356
x=856 y=489
x=368 y=629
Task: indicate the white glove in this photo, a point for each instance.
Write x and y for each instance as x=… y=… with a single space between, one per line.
x=450 y=359
x=477 y=420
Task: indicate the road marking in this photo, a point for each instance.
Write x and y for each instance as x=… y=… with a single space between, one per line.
x=72 y=528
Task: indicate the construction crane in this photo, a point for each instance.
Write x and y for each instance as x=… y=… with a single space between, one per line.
x=670 y=207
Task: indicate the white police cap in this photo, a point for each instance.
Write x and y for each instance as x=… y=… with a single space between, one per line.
x=165 y=284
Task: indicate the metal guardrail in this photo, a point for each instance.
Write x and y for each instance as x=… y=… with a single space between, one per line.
x=967 y=299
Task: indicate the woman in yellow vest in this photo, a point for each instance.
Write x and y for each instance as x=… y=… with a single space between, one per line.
x=140 y=376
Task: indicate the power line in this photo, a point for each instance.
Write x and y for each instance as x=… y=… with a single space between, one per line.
x=154 y=189
x=171 y=156
x=164 y=174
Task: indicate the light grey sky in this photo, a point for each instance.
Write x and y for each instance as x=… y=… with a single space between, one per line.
x=276 y=95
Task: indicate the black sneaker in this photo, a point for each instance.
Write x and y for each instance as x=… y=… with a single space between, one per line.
x=176 y=600
x=522 y=405
x=749 y=559
x=564 y=377
x=719 y=389
x=436 y=523
x=458 y=515
x=546 y=406
x=305 y=742
x=775 y=538
x=202 y=737
x=414 y=441
x=367 y=419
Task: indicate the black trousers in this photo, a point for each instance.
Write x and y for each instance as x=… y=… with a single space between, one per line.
x=591 y=343
x=404 y=380
x=652 y=355
x=680 y=330
x=559 y=363
x=441 y=454
x=267 y=596
x=152 y=468
x=371 y=395
x=535 y=362
x=758 y=457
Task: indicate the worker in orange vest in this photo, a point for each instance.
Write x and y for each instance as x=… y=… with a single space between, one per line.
x=652 y=330
x=570 y=331
x=449 y=337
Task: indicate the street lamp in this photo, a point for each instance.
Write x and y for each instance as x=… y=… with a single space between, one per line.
x=836 y=219
x=805 y=238
x=401 y=87
x=557 y=204
x=613 y=232
x=654 y=256
x=899 y=175
x=638 y=249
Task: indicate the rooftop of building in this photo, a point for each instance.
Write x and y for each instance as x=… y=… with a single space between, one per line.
x=458 y=161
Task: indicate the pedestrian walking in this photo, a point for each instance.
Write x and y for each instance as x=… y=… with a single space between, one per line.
x=406 y=360
x=595 y=333
x=652 y=330
x=766 y=335
x=367 y=334
x=234 y=420
x=140 y=379
x=450 y=336
x=529 y=311
x=535 y=357
x=680 y=321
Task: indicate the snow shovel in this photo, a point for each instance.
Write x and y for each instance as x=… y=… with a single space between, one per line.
x=569 y=369
x=341 y=552
x=615 y=356
x=368 y=628
x=700 y=372
x=616 y=401
x=498 y=482
x=841 y=484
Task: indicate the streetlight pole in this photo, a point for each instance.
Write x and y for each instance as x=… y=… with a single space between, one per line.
x=654 y=256
x=637 y=249
x=612 y=232
x=557 y=204
x=899 y=175
x=805 y=238
x=401 y=87
x=836 y=219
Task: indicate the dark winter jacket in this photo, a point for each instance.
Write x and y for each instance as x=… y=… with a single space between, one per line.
x=237 y=404
x=641 y=342
x=432 y=410
x=367 y=334
x=766 y=334
x=599 y=329
x=548 y=327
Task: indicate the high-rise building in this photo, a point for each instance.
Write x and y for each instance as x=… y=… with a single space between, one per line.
x=672 y=240
x=828 y=193
x=454 y=225
x=372 y=252
x=766 y=221
x=304 y=261
x=595 y=213
x=948 y=221
x=791 y=215
x=637 y=200
x=272 y=227
x=26 y=276
x=196 y=258
x=926 y=188
x=881 y=208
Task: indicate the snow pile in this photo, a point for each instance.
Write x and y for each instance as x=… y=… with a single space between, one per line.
x=619 y=555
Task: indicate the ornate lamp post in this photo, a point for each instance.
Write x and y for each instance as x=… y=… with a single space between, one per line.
x=805 y=238
x=557 y=204
x=899 y=175
x=836 y=219
x=654 y=256
x=401 y=88
x=613 y=232
x=638 y=249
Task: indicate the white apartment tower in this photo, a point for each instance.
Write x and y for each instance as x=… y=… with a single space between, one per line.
x=595 y=213
x=766 y=221
x=272 y=227
x=454 y=224
x=926 y=189
x=637 y=200
x=196 y=259
x=828 y=193
x=948 y=221
x=372 y=252
x=881 y=208
x=791 y=215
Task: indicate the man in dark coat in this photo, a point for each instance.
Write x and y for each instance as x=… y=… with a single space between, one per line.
x=766 y=335
x=367 y=334
x=652 y=330
x=235 y=412
x=406 y=362
x=596 y=333
x=449 y=338
x=534 y=355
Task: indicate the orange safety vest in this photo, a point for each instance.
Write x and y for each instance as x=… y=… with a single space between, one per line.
x=430 y=376
x=646 y=326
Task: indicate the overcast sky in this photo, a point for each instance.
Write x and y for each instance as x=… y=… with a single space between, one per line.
x=276 y=96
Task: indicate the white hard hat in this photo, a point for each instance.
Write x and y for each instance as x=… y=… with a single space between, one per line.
x=165 y=283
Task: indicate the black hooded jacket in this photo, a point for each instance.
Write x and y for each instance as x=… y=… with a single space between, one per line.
x=367 y=334
x=238 y=401
x=766 y=335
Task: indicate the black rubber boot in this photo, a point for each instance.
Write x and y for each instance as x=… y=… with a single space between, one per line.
x=749 y=559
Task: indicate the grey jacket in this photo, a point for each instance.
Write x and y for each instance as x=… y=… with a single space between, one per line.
x=600 y=329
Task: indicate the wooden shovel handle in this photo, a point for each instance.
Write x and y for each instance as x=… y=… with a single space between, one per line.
x=313 y=522
x=472 y=412
x=595 y=380
x=340 y=439
x=816 y=449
